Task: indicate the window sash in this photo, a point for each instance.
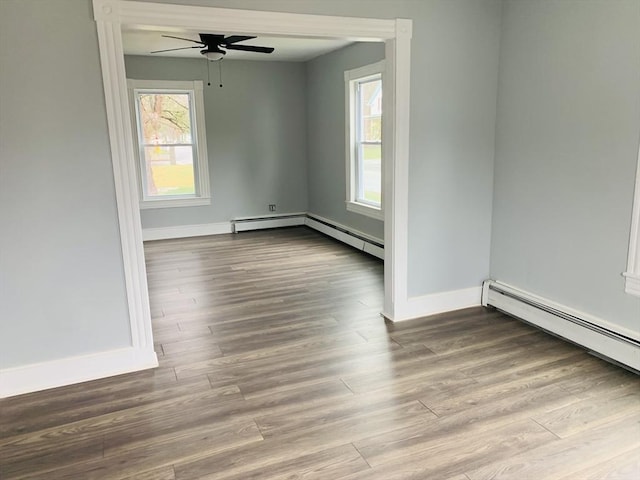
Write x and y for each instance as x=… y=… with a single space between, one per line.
x=201 y=185
x=142 y=146
x=359 y=169
x=358 y=121
x=360 y=144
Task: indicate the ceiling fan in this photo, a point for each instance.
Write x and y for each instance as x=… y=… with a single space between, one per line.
x=214 y=46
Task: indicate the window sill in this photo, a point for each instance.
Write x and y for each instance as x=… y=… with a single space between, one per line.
x=366 y=210
x=632 y=283
x=175 y=202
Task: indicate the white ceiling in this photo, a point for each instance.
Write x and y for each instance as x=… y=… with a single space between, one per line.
x=287 y=49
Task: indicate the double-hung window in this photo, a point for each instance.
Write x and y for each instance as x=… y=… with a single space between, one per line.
x=363 y=96
x=171 y=143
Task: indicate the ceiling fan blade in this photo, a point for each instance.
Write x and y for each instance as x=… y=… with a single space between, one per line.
x=236 y=38
x=173 y=49
x=250 y=48
x=185 y=39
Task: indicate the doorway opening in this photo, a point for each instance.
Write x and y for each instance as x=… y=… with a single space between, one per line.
x=112 y=15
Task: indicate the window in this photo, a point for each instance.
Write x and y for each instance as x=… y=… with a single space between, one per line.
x=171 y=143
x=632 y=275
x=363 y=96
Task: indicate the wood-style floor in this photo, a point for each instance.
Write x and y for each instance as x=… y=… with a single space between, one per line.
x=275 y=364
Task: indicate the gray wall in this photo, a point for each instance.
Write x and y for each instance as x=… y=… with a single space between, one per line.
x=455 y=52
x=62 y=287
x=256 y=137
x=326 y=134
x=567 y=147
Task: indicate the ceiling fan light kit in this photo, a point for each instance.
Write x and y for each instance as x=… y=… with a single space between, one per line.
x=213 y=56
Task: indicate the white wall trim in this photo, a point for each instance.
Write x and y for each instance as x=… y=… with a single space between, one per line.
x=395 y=189
x=632 y=284
x=66 y=371
x=186 y=231
x=632 y=275
x=434 y=303
x=110 y=15
x=370 y=70
x=366 y=210
x=174 y=202
x=138 y=84
x=238 y=21
x=124 y=172
x=521 y=304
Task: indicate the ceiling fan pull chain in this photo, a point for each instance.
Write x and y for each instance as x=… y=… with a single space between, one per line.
x=220 y=71
x=208 y=72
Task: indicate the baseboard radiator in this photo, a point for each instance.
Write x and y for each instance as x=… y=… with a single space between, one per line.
x=600 y=337
x=344 y=234
x=245 y=224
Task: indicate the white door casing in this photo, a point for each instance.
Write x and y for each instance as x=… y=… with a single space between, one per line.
x=111 y=15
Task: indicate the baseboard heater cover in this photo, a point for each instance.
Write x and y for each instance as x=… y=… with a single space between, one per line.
x=263 y=222
x=342 y=233
x=346 y=235
x=591 y=333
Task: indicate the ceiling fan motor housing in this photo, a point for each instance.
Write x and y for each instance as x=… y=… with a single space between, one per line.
x=213 y=50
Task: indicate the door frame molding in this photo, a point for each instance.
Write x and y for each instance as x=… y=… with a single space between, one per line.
x=111 y=15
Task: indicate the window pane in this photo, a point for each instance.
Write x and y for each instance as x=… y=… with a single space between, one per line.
x=370 y=106
x=371 y=174
x=369 y=163
x=165 y=118
x=169 y=170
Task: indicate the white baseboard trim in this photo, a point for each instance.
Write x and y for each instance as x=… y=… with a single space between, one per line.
x=246 y=224
x=185 y=231
x=432 y=304
x=344 y=234
x=593 y=333
x=66 y=371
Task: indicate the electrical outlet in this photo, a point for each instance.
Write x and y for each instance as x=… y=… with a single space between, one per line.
x=272 y=207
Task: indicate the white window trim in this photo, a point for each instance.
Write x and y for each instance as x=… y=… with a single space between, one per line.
x=632 y=275
x=203 y=195
x=350 y=77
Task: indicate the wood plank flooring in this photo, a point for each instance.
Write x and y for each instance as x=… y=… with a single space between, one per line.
x=275 y=364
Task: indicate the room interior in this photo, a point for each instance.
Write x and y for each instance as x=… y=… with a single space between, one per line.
x=271 y=101
x=522 y=169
